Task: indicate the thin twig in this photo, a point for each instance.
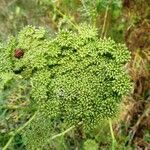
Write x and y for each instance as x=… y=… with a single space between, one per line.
x=136 y=126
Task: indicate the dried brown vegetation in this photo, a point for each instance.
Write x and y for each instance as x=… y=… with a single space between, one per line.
x=137 y=37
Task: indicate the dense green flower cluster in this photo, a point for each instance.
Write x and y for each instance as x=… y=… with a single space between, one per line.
x=74 y=77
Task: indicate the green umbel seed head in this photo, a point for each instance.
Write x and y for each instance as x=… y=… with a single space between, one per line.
x=74 y=77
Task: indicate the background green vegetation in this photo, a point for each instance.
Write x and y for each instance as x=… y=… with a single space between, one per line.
x=126 y=22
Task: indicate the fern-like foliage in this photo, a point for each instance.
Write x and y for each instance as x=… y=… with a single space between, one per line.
x=74 y=77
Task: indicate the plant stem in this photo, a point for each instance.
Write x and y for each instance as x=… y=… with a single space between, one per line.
x=136 y=126
x=17 y=131
x=62 y=133
x=112 y=135
x=65 y=16
x=105 y=19
x=11 y=107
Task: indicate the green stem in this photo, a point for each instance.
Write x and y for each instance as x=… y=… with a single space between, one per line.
x=11 y=107
x=17 y=131
x=65 y=16
x=62 y=133
x=112 y=135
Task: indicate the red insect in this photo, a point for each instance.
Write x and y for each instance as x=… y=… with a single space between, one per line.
x=18 y=53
